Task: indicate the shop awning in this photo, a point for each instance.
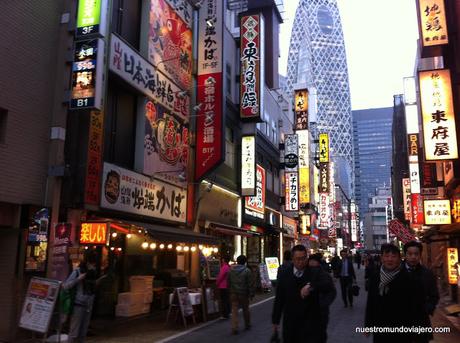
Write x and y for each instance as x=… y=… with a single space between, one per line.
x=174 y=234
x=230 y=230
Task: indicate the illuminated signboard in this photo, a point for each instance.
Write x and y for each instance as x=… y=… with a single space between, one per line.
x=412 y=144
x=323 y=178
x=437 y=212
x=428 y=182
x=291 y=150
x=406 y=198
x=292 y=191
x=324 y=211
x=432 y=22
x=354 y=229
x=248 y=165
x=93 y=233
x=414 y=178
x=255 y=205
x=456 y=210
x=87 y=71
x=452 y=269
x=416 y=209
x=252 y=66
x=301 y=109
x=323 y=147
x=439 y=133
x=91 y=18
x=304 y=167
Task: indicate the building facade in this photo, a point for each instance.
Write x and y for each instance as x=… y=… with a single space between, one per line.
x=372 y=150
x=377 y=218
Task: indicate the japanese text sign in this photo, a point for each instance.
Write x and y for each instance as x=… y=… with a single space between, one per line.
x=93 y=233
x=94 y=160
x=432 y=22
x=304 y=167
x=255 y=205
x=406 y=198
x=324 y=211
x=91 y=18
x=439 y=133
x=416 y=209
x=437 y=212
x=127 y=191
x=456 y=210
x=292 y=191
x=399 y=230
x=248 y=165
x=87 y=71
x=323 y=147
x=291 y=148
x=252 y=66
x=301 y=109
x=414 y=178
x=143 y=76
x=209 y=123
x=452 y=260
x=323 y=178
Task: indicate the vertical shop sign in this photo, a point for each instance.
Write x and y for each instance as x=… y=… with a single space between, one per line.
x=291 y=150
x=406 y=198
x=94 y=160
x=324 y=211
x=91 y=18
x=417 y=209
x=439 y=132
x=323 y=147
x=248 y=165
x=452 y=261
x=432 y=22
x=414 y=178
x=87 y=73
x=252 y=66
x=292 y=191
x=60 y=251
x=304 y=167
x=301 y=109
x=323 y=178
x=255 y=205
x=428 y=179
x=209 y=138
x=412 y=143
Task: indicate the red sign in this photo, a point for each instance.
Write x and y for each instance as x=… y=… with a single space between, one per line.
x=93 y=233
x=209 y=145
x=399 y=230
x=94 y=160
x=417 y=209
x=251 y=66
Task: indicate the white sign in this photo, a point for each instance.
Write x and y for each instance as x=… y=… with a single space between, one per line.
x=272 y=266
x=142 y=75
x=324 y=211
x=126 y=191
x=437 y=212
x=354 y=230
x=248 y=165
x=39 y=304
x=291 y=150
x=406 y=198
x=292 y=192
x=414 y=178
x=210 y=27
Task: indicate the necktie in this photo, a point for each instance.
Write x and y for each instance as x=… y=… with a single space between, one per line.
x=298 y=273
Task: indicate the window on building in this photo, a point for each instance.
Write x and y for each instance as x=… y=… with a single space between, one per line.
x=3 y=119
x=228 y=79
x=269 y=177
x=229 y=147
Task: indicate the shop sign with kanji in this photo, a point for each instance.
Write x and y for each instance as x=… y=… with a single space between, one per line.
x=291 y=191
x=126 y=191
x=452 y=262
x=301 y=109
x=406 y=198
x=437 y=212
x=248 y=165
x=93 y=233
x=439 y=132
x=255 y=205
x=432 y=22
x=323 y=147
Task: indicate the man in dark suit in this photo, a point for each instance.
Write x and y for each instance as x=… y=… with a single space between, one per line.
x=298 y=300
x=346 y=274
x=424 y=278
x=393 y=299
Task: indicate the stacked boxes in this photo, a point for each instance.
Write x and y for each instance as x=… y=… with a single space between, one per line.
x=138 y=300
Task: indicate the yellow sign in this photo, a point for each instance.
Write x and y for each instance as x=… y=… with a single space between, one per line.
x=93 y=233
x=301 y=100
x=452 y=260
x=432 y=22
x=304 y=185
x=323 y=147
x=437 y=212
x=439 y=133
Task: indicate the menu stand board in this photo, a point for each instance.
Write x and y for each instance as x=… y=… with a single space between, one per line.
x=213 y=268
x=181 y=301
x=39 y=304
x=265 y=282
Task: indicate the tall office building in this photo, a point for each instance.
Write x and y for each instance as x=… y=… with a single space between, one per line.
x=317 y=59
x=372 y=146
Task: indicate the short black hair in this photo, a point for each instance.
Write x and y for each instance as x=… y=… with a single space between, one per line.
x=287 y=255
x=413 y=244
x=241 y=259
x=226 y=258
x=345 y=251
x=299 y=247
x=389 y=248
x=316 y=257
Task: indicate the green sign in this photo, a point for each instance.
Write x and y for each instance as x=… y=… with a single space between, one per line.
x=89 y=16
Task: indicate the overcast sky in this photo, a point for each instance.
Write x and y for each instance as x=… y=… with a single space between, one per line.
x=381 y=41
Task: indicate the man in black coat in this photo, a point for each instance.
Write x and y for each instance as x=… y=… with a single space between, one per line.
x=300 y=296
x=393 y=299
x=425 y=279
x=346 y=274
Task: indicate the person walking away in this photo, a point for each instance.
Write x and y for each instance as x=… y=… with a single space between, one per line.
x=322 y=281
x=424 y=278
x=240 y=285
x=393 y=299
x=297 y=300
x=335 y=262
x=85 y=281
x=358 y=260
x=222 y=285
x=347 y=276
x=287 y=263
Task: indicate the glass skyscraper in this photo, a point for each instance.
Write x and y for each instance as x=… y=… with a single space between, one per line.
x=373 y=152
x=317 y=59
